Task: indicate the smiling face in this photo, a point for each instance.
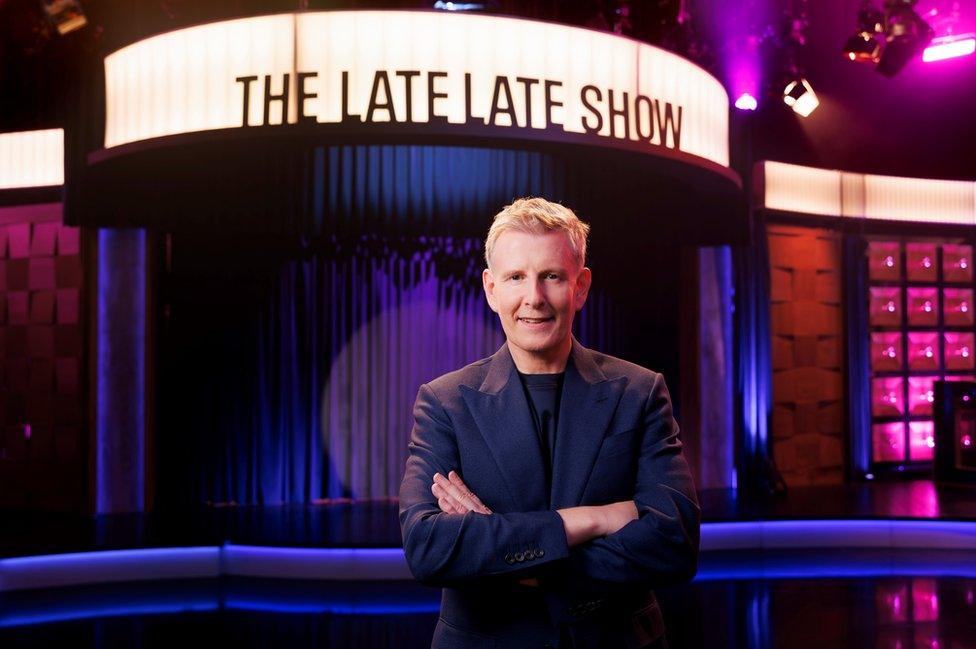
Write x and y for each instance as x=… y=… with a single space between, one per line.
x=536 y=286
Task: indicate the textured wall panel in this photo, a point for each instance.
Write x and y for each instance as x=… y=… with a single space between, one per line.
x=42 y=444
x=808 y=372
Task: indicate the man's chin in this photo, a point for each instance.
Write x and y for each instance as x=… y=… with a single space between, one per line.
x=539 y=345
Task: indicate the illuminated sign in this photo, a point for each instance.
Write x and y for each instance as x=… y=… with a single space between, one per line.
x=827 y=192
x=393 y=70
x=32 y=159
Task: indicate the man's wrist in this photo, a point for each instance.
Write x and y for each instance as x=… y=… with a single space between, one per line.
x=582 y=524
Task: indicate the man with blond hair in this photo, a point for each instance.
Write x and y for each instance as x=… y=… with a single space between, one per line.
x=545 y=488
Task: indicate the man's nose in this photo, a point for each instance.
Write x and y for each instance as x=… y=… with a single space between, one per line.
x=535 y=294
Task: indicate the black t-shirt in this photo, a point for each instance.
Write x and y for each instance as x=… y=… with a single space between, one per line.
x=543 y=392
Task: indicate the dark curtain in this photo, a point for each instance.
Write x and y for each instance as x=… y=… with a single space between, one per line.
x=753 y=381
x=858 y=354
x=289 y=361
x=298 y=382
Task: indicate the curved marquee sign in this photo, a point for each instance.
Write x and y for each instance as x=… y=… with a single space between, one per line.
x=415 y=71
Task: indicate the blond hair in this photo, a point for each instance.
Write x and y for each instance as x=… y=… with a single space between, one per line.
x=539 y=216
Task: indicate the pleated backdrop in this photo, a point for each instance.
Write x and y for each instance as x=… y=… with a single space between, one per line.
x=289 y=365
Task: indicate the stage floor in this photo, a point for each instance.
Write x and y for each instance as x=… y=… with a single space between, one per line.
x=762 y=595
x=374 y=524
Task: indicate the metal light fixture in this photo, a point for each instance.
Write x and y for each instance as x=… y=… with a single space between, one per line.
x=65 y=15
x=799 y=96
x=906 y=35
x=863 y=47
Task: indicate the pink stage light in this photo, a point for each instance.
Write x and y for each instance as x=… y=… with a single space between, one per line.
x=949 y=49
x=746 y=102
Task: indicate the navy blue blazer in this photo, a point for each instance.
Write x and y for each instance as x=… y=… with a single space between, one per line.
x=616 y=440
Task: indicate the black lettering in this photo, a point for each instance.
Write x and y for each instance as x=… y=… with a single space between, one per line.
x=303 y=95
x=646 y=102
x=246 y=81
x=408 y=76
x=668 y=125
x=432 y=94
x=346 y=115
x=283 y=98
x=621 y=112
x=501 y=84
x=550 y=102
x=586 y=90
x=527 y=84
x=381 y=77
x=468 y=115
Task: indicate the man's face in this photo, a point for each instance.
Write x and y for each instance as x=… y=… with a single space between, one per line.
x=536 y=286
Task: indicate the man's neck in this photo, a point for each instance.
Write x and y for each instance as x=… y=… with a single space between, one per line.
x=530 y=363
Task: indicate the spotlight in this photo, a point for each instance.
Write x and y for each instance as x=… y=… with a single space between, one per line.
x=863 y=48
x=799 y=96
x=460 y=6
x=746 y=102
x=948 y=47
x=65 y=15
x=870 y=19
x=906 y=35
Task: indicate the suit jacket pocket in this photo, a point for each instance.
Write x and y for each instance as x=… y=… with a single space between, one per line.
x=618 y=444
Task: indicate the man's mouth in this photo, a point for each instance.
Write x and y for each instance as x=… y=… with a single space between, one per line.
x=534 y=320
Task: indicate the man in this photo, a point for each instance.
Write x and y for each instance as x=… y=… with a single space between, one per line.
x=545 y=488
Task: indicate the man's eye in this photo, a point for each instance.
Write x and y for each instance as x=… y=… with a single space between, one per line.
x=552 y=276
x=516 y=277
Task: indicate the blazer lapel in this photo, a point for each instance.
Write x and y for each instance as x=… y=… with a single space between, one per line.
x=502 y=414
x=586 y=407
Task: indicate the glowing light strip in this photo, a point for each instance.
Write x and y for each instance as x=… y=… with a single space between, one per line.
x=959 y=46
x=811 y=534
x=75 y=605
x=827 y=192
x=216 y=76
x=389 y=564
x=47 y=571
x=315 y=563
x=56 y=614
x=120 y=371
x=32 y=159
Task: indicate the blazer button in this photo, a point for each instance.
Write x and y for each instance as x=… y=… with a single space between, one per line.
x=536 y=553
x=509 y=558
x=541 y=553
x=520 y=556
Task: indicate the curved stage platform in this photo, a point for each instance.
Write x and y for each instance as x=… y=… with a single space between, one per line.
x=886 y=553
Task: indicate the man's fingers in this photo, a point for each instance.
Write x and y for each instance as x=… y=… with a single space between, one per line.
x=467 y=495
x=452 y=506
x=446 y=506
x=456 y=480
x=462 y=494
x=453 y=492
x=445 y=502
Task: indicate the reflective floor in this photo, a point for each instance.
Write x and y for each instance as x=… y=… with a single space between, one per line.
x=889 y=612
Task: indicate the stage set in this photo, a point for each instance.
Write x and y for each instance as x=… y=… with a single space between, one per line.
x=246 y=236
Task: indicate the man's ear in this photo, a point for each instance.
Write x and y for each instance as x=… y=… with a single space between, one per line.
x=488 y=281
x=583 y=281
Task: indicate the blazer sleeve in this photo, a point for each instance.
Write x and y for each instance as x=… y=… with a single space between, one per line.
x=661 y=546
x=443 y=548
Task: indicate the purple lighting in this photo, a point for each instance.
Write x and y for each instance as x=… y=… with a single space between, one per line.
x=746 y=102
x=945 y=48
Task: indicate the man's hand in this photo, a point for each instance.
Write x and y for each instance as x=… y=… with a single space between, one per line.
x=586 y=523
x=454 y=497
x=582 y=524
